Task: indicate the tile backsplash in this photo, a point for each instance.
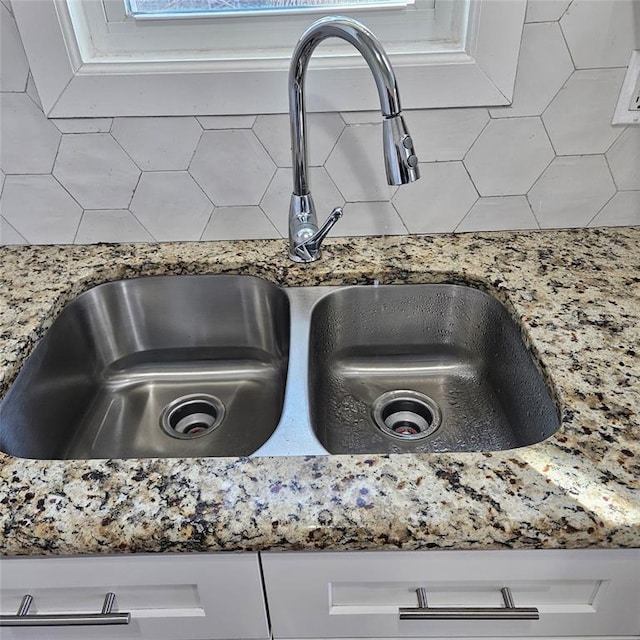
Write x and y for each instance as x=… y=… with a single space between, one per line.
x=550 y=160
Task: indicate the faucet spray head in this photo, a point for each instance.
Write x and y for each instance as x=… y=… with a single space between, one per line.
x=400 y=159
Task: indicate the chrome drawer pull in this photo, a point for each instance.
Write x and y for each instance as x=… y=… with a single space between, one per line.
x=106 y=616
x=509 y=612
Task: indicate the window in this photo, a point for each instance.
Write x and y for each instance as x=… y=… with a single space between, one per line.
x=91 y=58
x=187 y=8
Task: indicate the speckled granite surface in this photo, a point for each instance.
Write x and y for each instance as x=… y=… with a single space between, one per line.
x=577 y=294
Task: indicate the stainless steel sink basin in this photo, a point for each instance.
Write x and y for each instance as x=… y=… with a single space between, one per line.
x=422 y=368
x=196 y=366
x=154 y=367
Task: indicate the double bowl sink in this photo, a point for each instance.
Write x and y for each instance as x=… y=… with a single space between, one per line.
x=217 y=365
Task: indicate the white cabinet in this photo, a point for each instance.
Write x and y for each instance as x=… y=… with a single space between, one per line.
x=323 y=595
x=170 y=596
x=579 y=594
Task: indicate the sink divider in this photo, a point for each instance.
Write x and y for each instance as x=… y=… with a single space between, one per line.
x=294 y=434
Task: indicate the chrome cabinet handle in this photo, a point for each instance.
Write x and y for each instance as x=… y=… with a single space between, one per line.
x=509 y=612
x=24 y=619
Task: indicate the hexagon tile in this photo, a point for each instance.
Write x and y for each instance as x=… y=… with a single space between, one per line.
x=111 y=226
x=323 y=131
x=40 y=209
x=232 y=167
x=543 y=68
x=356 y=165
x=14 y=67
x=624 y=161
x=158 y=144
x=83 y=125
x=32 y=92
x=9 y=235
x=445 y=134
x=495 y=214
x=239 y=223
x=601 y=33
x=546 y=10
x=622 y=209
x=171 y=206
x=29 y=140
x=226 y=122
x=96 y=171
x=369 y=219
x=509 y=156
x=438 y=201
x=571 y=191
x=579 y=117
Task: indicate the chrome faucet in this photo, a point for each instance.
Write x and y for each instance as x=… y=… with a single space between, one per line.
x=401 y=162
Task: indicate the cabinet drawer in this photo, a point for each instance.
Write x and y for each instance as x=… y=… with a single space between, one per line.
x=582 y=594
x=172 y=597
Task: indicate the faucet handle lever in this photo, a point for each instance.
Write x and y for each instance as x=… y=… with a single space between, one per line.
x=322 y=232
x=309 y=249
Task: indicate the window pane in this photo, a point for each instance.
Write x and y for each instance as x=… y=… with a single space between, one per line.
x=175 y=7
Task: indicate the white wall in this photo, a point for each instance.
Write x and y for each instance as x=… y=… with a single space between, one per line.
x=550 y=160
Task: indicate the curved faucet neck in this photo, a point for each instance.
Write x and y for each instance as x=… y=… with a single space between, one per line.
x=370 y=49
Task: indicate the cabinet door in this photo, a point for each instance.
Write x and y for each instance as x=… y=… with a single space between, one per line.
x=357 y=594
x=172 y=597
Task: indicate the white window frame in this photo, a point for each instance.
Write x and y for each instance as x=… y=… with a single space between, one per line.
x=70 y=84
x=241 y=42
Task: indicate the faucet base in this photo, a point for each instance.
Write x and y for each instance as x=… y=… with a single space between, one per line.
x=305 y=238
x=303 y=222
x=305 y=260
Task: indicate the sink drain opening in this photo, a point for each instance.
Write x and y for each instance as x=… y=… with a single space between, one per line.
x=406 y=415
x=192 y=416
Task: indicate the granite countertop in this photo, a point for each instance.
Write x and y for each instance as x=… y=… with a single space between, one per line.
x=577 y=295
